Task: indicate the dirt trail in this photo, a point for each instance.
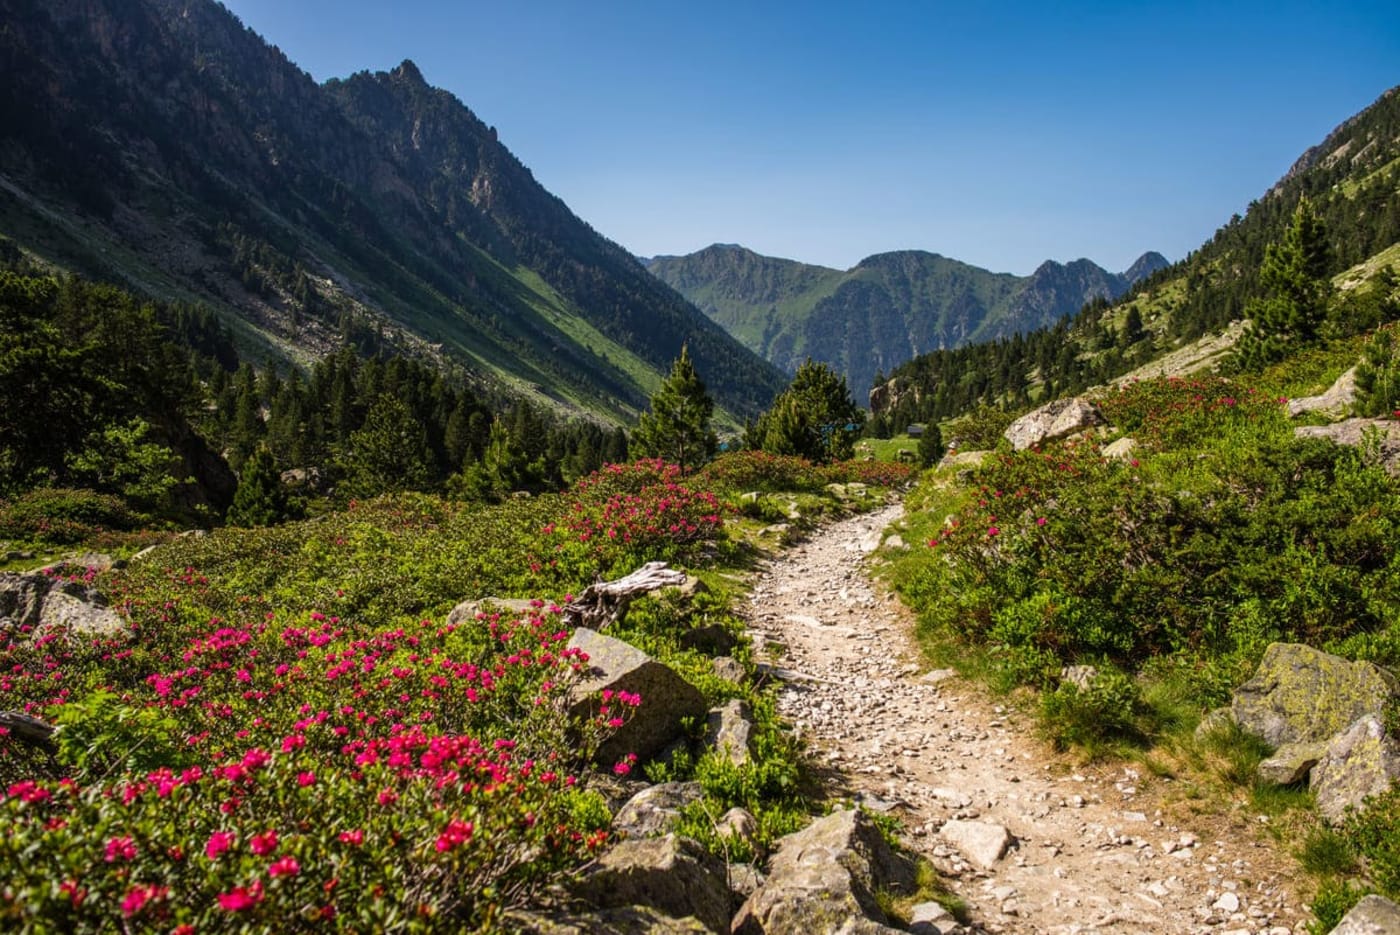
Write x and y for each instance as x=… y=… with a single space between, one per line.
x=1093 y=850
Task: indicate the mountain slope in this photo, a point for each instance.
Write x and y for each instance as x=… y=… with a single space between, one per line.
x=885 y=310
x=161 y=144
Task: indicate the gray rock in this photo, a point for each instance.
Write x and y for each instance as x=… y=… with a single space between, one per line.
x=1362 y=760
x=964 y=459
x=1291 y=763
x=824 y=878
x=626 y=920
x=667 y=699
x=672 y=874
x=729 y=669
x=655 y=809
x=744 y=880
x=929 y=919
x=1335 y=402
x=41 y=604
x=1121 y=450
x=1054 y=420
x=1081 y=677
x=1354 y=432
x=1301 y=695
x=466 y=611
x=728 y=730
x=981 y=842
x=740 y=825
x=1374 y=915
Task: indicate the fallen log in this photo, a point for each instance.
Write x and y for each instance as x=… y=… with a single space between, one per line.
x=605 y=602
x=27 y=729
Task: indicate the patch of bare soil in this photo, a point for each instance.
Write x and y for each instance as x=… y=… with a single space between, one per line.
x=1097 y=849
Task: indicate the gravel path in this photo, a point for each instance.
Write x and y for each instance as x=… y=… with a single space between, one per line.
x=1090 y=849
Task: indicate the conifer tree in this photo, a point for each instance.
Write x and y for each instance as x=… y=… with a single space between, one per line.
x=677 y=427
x=259 y=499
x=1295 y=273
x=389 y=453
x=814 y=418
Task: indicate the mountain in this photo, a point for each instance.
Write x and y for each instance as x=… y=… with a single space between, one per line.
x=1352 y=182
x=161 y=145
x=888 y=308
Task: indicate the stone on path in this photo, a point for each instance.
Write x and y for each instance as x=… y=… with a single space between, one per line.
x=981 y=842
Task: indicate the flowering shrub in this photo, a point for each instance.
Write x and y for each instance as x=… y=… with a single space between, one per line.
x=1172 y=412
x=740 y=471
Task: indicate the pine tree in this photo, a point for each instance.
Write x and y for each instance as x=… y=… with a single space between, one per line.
x=259 y=499
x=1295 y=274
x=814 y=418
x=931 y=447
x=389 y=453
x=677 y=428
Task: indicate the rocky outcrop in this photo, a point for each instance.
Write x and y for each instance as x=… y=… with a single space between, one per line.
x=1363 y=760
x=1302 y=695
x=666 y=698
x=1053 y=421
x=672 y=874
x=627 y=920
x=1356 y=434
x=466 y=611
x=824 y=879
x=40 y=603
x=655 y=809
x=1291 y=763
x=1334 y=403
x=1374 y=915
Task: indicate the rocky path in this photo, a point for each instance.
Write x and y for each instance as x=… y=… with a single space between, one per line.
x=1031 y=844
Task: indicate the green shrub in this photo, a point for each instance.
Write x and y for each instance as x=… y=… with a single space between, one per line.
x=62 y=516
x=1105 y=710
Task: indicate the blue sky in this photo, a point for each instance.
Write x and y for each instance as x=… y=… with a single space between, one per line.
x=999 y=134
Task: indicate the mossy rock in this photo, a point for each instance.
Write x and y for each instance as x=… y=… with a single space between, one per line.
x=1302 y=695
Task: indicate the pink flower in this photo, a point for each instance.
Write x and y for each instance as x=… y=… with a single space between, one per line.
x=120 y=849
x=387 y=797
x=139 y=896
x=263 y=844
x=306 y=779
x=457 y=832
x=218 y=842
x=1040 y=521
x=356 y=837
x=993 y=531
x=285 y=866
x=241 y=898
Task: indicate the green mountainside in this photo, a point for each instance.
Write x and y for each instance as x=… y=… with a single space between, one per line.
x=1351 y=180
x=163 y=146
x=885 y=310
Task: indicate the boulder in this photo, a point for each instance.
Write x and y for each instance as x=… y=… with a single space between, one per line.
x=672 y=874
x=1121 y=450
x=714 y=639
x=929 y=919
x=627 y=920
x=466 y=611
x=738 y=824
x=655 y=809
x=39 y=603
x=1334 y=403
x=744 y=880
x=1054 y=420
x=1291 y=763
x=981 y=842
x=1362 y=760
x=1355 y=432
x=1081 y=677
x=728 y=729
x=1302 y=695
x=667 y=699
x=729 y=669
x=824 y=879
x=1374 y=915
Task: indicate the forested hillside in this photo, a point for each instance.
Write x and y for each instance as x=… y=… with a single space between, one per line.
x=162 y=146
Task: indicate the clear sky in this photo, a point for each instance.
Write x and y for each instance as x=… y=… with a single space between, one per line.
x=999 y=134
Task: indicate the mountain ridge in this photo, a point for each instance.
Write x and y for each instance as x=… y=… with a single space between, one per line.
x=884 y=310
x=164 y=145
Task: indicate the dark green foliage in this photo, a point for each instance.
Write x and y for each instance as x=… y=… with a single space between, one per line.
x=62 y=516
x=814 y=418
x=1378 y=375
x=1105 y=709
x=931 y=447
x=676 y=428
x=260 y=499
x=388 y=453
x=1294 y=276
x=1375 y=833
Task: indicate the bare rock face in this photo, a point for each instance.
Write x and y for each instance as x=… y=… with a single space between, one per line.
x=824 y=878
x=1374 y=915
x=1355 y=432
x=1333 y=403
x=672 y=874
x=1363 y=760
x=667 y=699
x=728 y=730
x=1052 y=421
x=655 y=809
x=1302 y=695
